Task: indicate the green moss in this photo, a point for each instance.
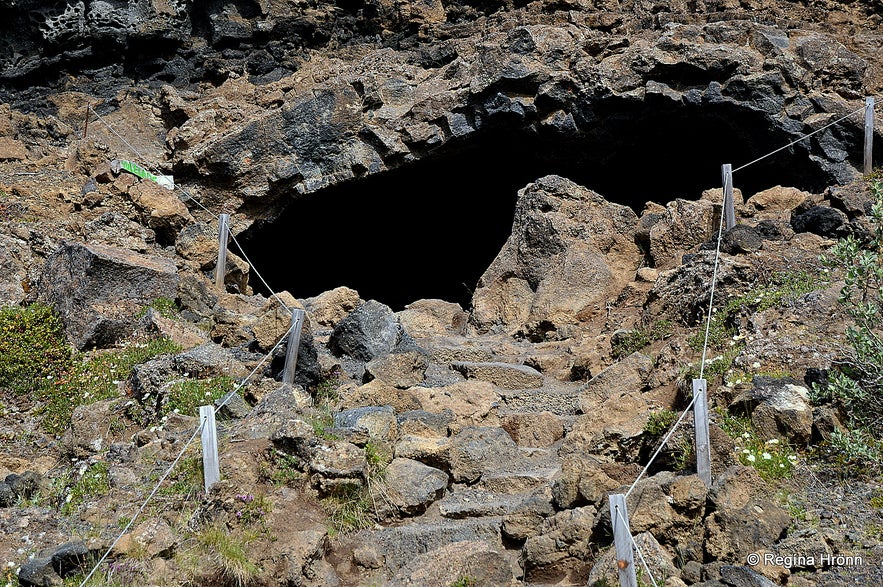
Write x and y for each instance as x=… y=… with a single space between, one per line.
x=185 y=396
x=33 y=347
x=94 y=482
x=92 y=378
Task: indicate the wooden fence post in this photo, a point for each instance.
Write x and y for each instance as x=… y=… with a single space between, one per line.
x=729 y=209
x=223 y=235
x=700 y=424
x=211 y=470
x=869 y=136
x=297 y=322
x=622 y=538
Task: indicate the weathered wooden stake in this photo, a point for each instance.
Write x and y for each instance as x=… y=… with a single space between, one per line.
x=729 y=210
x=622 y=538
x=211 y=471
x=297 y=322
x=869 y=136
x=700 y=423
x=223 y=235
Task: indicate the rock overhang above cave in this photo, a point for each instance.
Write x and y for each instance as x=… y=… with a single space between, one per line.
x=721 y=95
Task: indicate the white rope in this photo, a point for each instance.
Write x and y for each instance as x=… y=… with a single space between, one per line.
x=256 y=272
x=253 y=371
x=661 y=446
x=155 y=171
x=802 y=138
x=143 y=505
x=143 y=160
x=717 y=255
x=635 y=545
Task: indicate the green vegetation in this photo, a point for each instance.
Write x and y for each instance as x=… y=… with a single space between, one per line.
x=778 y=290
x=660 y=422
x=353 y=507
x=93 y=378
x=322 y=421
x=854 y=453
x=185 y=396
x=325 y=393
x=186 y=478
x=252 y=509
x=349 y=509
x=773 y=458
x=794 y=505
x=35 y=359
x=465 y=581
x=638 y=338
x=165 y=307
x=228 y=555
x=724 y=340
x=125 y=572
x=857 y=385
x=281 y=468
x=94 y=482
x=33 y=347
x=9 y=576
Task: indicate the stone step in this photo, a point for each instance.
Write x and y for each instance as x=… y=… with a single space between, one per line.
x=503 y=375
x=518 y=481
x=401 y=544
x=474 y=503
x=562 y=402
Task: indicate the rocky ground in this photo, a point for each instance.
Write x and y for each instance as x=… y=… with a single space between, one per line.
x=437 y=445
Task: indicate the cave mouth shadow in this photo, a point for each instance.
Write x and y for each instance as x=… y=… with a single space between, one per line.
x=429 y=229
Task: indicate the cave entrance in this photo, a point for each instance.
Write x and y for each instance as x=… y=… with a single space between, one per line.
x=431 y=228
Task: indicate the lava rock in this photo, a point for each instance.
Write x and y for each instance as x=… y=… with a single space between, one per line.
x=740 y=240
x=370 y=331
x=821 y=220
x=7 y=495
x=98 y=289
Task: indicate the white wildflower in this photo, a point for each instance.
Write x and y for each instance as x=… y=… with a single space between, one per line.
x=750 y=458
x=767 y=456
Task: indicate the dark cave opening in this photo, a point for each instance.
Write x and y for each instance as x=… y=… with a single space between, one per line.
x=430 y=229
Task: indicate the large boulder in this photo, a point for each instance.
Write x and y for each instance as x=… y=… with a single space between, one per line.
x=683 y=225
x=412 y=486
x=370 y=331
x=569 y=252
x=778 y=407
x=99 y=290
x=427 y=318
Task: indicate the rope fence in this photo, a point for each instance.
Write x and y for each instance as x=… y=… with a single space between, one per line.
x=699 y=400
x=625 y=543
x=207 y=413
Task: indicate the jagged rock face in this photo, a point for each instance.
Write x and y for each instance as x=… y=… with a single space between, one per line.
x=570 y=251
x=169 y=39
x=557 y=83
